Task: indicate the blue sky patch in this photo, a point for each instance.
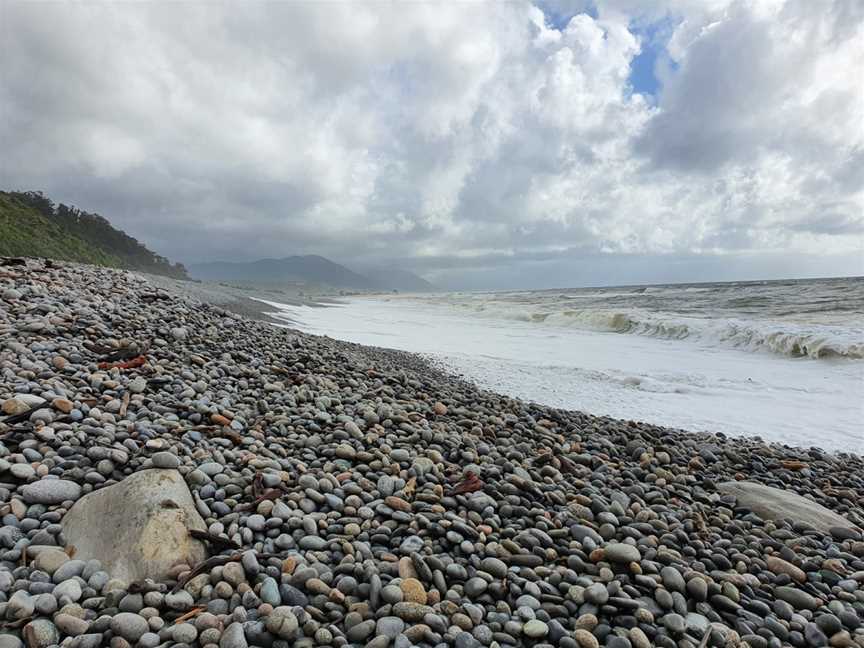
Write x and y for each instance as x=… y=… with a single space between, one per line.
x=652 y=36
x=558 y=14
x=642 y=77
x=643 y=68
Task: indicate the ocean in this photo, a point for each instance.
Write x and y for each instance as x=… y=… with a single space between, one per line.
x=782 y=360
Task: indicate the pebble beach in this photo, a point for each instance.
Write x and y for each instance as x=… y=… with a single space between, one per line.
x=175 y=472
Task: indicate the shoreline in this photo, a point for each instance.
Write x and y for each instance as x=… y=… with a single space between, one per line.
x=358 y=496
x=687 y=385
x=235 y=300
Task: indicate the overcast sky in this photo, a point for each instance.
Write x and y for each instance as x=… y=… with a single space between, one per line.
x=506 y=144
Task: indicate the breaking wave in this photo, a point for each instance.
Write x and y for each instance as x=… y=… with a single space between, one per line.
x=781 y=338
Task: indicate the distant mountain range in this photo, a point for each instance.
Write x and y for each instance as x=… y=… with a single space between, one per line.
x=296 y=269
x=32 y=225
x=398 y=279
x=309 y=270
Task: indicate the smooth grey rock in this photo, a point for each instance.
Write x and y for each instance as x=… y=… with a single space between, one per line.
x=184 y=633
x=411 y=544
x=129 y=626
x=20 y=606
x=270 y=592
x=90 y=640
x=674 y=623
x=400 y=454
x=137 y=385
x=423 y=465
x=389 y=626
x=68 y=591
x=696 y=623
x=41 y=633
x=620 y=552
x=22 y=471
x=150 y=514
x=71 y=625
x=211 y=468
x=148 y=640
x=494 y=566
x=535 y=629
x=165 y=460
x=45 y=604
x=233 y=637
x=50 y=560
x=799 y=599
x=69 y=569
x=313 y=543
x=673 y=580
x=50 y=491
x=596 y=593
x=360 y=631
x=474 y=587
x=465 y=640
x=179 y=601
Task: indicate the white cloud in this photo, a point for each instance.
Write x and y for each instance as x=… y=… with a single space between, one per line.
x=442 y=130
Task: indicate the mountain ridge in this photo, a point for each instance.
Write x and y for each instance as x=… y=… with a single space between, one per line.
x=309 y=269
x=394 y=278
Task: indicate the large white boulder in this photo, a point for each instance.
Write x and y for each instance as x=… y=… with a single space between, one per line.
x=775 y=504
x=138 y=528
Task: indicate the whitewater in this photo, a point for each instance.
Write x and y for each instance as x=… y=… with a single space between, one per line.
x=783 y=361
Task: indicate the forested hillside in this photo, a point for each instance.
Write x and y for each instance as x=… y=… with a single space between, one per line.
x=32 y=225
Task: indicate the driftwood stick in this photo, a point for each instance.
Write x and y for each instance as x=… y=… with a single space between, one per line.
x=119 y=355
x=190 y=614
x=271 y=494
x=206 y=566
x=216 y=541
x=23 y=416
x=129 y=364
x=20 y=623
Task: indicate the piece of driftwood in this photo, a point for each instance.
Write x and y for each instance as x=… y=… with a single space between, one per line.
x=12 y=419
x=217 y=561
x=20 y=623
x=119 y=355
x=189 y=615
x=151 y=297
x=793 y=464
x=270 y=494
x=24 y=432
x=206 y=566
x=216 y=541
x=469 y=484
x=13 y=261
x=258 y=485
x=128 y=364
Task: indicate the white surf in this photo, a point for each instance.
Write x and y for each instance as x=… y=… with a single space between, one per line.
x=699 y=381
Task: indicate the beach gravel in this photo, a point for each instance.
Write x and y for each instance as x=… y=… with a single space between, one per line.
x=296 y=490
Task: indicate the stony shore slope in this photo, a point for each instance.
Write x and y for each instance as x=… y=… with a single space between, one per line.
x=343 y=495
